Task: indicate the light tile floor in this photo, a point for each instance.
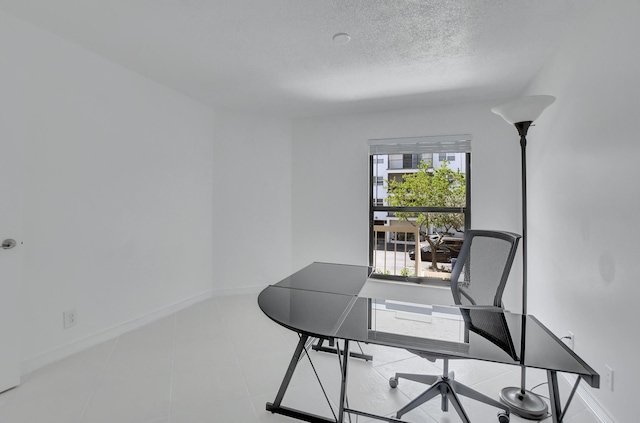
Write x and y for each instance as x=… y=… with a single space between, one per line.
x=221 y=360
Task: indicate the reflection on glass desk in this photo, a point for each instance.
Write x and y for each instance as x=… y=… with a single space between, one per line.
x=414 y=324
x=321 y=301
x=489 y=334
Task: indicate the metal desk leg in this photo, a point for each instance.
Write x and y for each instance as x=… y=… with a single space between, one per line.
x=276 y=407
x=554 y=396
x=289 y=374
x=557 y=413
x=334 y=349
x=343 y=383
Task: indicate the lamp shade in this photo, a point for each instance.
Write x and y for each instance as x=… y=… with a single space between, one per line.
x=524 y=109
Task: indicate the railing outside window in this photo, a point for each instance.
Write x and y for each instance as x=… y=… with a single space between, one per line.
x=393 y=257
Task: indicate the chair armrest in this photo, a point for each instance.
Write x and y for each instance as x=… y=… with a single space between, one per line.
x=466 y=295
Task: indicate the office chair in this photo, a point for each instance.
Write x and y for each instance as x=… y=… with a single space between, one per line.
x=477 y=279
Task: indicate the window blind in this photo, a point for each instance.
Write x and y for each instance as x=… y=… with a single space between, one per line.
x=429 y=144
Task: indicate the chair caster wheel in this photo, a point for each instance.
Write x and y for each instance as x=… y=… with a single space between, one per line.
x=393 y=382
x=503 y=418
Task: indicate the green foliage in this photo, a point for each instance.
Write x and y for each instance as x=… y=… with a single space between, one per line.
x=441 y=187
x=407 y=272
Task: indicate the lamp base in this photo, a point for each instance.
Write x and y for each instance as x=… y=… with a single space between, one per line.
x=528 y=405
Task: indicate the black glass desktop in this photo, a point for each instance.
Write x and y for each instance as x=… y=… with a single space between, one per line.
x=321 y=302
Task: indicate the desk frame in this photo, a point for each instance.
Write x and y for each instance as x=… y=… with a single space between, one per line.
x=352 y=286
x=557 y=410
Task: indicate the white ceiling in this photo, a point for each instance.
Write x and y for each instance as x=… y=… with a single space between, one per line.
x=277 y=56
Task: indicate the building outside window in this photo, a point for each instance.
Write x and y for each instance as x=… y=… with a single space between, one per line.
x=444 y=156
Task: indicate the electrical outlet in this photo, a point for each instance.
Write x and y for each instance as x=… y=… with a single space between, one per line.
x=608 y=377
x=69 y=319
x=571 y=340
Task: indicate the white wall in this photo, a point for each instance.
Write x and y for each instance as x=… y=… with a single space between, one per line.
x=584 y=210
x=331 y=178
x=118 y=190
x=252 y=201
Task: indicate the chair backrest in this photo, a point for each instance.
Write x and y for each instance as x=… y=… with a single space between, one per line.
x=482 y=268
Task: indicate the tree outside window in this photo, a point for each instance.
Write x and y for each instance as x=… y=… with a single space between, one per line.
x=440 y=188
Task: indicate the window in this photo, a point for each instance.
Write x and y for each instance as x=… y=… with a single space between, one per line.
x=418 y=201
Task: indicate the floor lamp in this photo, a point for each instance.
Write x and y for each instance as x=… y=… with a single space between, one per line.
x=521 y=113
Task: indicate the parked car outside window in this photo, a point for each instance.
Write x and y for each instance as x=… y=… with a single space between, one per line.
x=443 y=254
x=454 y=244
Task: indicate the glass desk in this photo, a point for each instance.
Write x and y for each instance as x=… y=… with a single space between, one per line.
x=321 y=301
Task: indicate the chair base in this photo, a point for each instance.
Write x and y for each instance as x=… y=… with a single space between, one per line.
x=449 y=389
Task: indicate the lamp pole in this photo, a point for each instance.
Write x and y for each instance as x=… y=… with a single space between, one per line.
x=521 y=113
x=522 y=128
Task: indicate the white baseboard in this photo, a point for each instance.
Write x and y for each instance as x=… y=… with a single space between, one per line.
x=76 y=346
x=591 y=403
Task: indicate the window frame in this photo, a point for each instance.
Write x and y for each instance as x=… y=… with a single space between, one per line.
x=466 y=210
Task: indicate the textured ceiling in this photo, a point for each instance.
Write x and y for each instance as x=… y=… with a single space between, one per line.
x=277 y=56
